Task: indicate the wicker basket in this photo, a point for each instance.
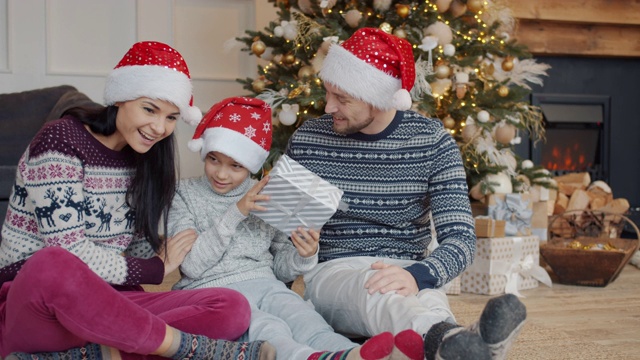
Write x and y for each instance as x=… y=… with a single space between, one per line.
x=570 y=253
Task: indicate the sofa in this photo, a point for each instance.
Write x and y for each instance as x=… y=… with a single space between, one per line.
x=22 y=114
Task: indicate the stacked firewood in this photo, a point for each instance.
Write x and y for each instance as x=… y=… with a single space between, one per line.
x=589 y=208
x=577 y=192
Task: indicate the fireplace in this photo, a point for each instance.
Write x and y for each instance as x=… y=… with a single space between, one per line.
x=577 y=134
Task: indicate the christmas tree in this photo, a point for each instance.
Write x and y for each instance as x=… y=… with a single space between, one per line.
x=471 y=75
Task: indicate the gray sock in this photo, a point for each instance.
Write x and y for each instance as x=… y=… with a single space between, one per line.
x=433 y=338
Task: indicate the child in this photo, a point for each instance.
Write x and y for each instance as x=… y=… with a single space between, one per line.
x=237 y=250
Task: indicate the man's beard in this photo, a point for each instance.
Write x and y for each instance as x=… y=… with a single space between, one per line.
x=352 y=128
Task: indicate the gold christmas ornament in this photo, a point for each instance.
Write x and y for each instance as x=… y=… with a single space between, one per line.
x=503 y=90
x=442 y=71
x=469 y=132
x=507 y=64
x=258 y=85
x=288 y=59
x=403 y=10
x=386 y=27
x=258 y=47
x=504 y=134
x=400 y=33
x=307 y=91
x=306 y=71
x=297 y=91
x=475 y=5
x=449 y=122
x=443 y=5
x=457 y=8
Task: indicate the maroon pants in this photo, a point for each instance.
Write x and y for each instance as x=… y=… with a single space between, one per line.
x=57 y=302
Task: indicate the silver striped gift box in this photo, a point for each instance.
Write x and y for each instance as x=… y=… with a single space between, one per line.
x=298 y=197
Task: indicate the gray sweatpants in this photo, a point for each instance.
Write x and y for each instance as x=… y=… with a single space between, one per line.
x=336 y=288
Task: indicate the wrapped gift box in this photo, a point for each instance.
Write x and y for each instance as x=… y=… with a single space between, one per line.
x=515 y=208
x=298 y=197
x=488 y=227
x=453 y=287
x=505 y=265
x=540 y=220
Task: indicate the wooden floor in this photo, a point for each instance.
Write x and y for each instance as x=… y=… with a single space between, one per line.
x=607 y=316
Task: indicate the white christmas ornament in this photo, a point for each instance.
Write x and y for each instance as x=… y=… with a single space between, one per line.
x=440 y=30
x=500 y=182
x=288 y=114
x=381 y=5
x=483 y=116
x=527 y=164
x=428 y=43
x=290 y=29
x=305 y=6
x=327 y=4
x=449 y=50
x=352 y=17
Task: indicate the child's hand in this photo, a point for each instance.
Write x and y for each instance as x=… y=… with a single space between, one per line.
x=305 y=241
x=177 y=247
x=248 y=201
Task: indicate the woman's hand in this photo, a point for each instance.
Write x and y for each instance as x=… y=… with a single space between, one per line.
x=248 y=201
x=177 y=248
x=305 y=241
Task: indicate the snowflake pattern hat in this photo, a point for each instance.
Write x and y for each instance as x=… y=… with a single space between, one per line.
x=238 y=127
x=372 y=66
x=157 y=71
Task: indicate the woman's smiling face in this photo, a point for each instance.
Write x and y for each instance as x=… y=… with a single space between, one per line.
x=143 y=122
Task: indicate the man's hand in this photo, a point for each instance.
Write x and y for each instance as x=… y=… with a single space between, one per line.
x=177 y=248
x=389 y=278
x=306 y=242
x=248 y=201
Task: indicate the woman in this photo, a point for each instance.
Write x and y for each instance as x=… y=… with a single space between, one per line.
x=81 y=232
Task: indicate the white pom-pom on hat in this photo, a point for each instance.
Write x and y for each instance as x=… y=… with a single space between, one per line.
x=402 y=100
x=195 y=144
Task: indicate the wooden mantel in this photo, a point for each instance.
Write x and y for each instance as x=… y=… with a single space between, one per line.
x=594 y=28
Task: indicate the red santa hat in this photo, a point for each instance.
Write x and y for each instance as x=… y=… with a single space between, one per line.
x=154 y=70
x=238 y=127
x=372 y=66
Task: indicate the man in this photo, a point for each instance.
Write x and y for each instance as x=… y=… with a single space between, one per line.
x=396 y=167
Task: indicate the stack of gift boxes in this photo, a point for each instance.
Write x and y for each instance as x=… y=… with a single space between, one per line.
x=509 y=228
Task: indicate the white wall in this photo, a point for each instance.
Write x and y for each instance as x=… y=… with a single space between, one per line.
x=77 y=42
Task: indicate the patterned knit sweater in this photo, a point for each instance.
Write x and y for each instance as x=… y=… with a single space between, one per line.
x=70 y=192
x=391 y=181
x=230 y=247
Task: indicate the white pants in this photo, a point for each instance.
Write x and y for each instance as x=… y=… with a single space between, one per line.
x=336 y=289
x=289 y=323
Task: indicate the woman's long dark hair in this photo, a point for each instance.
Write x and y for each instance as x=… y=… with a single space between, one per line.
x=154 y=182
